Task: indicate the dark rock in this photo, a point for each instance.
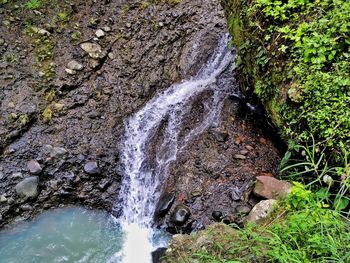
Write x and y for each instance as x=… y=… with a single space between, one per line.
x=158 y=254
x=217 y=215
x=180 y=215
x=92 y=168
x=270 y=187
x=221 y=136
x=164 y=204
x=243 y=209
x=34 y=167
x=28 y=188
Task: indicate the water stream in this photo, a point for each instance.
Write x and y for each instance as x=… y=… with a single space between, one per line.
x=143 y=176
x=154 y=136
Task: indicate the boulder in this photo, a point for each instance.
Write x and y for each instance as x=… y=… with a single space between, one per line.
x=180 y=215
x=270 y=187
x=34 y=167
x=261 y=211
x=164 y=204
x=28 y=188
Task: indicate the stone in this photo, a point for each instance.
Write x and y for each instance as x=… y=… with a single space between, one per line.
x=74 y=65
x=2 y=41
x=244 y=152
x=94 y=50
x=99 y=33
x=217 y=215
x=270 y=187
x=3 y=199
x=92 y=168
x=16 y=176
x=243 y=209
x=158 y=254
x=261 y=211
x=34 y=167
x=28 y=188
x=70 y=71
x=57 y=152
x=180 y=215
x=106 y=29
x=1 y=175
x=164 y=204
x=240 y=156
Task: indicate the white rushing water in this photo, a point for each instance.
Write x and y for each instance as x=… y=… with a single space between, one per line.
x=144 y=175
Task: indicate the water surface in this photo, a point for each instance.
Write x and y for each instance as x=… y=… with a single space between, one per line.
x=62 y=235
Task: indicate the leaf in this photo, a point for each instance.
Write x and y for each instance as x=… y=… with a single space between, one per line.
x=340 y=203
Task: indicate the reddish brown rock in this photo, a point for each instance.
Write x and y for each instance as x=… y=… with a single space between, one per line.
x=270 y=187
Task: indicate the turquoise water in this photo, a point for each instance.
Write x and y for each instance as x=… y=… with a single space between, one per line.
x=62 y=235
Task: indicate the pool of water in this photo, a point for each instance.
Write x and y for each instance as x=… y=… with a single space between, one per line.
x=62 y=235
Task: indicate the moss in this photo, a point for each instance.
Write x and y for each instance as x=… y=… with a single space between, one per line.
x=293 y=55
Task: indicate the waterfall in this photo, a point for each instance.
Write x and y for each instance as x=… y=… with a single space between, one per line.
x=161 y=120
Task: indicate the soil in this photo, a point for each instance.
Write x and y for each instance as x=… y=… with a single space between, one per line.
x=146 y=48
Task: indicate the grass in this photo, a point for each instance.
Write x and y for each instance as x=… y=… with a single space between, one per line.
x=301 y=229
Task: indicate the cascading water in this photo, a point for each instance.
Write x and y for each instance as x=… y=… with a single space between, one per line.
x=143 y=174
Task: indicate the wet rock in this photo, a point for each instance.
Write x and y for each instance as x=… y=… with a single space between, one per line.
x=158 y=254
x=26 y=207
x=270 y=187
x=180 y=215
x=243 y=209
x=99 y=33
x=240 y=157
x=34 y=167
x=164 y=204
x=217 y=215
x=92 y=168
x=74 y=65
x=94 y=50
x=28 y=188
x=261 y=211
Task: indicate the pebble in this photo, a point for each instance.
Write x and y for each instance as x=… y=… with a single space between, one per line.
x=34 y=167
x=70 y=71
x=94 y=50
x=92 y=168
x=240 y=157
x=244 y=152
x=249 y=148
x=3 y=199
x=106 y=29
x=74 y=65
x=217 y=215
x=99 y=33
x=16 y=175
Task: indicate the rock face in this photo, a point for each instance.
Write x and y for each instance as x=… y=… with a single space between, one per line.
x=261 y=211
x=28 y=188
x=145 y=51
x=270 y=187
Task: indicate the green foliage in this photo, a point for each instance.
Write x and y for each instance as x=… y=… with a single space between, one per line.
x=331 y=183
x=33 y=4
x=298 y=61
x=301 y=229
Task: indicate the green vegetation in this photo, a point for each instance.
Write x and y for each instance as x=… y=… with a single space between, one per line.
x=33 y=4
x=301 y=229
x=296 y=54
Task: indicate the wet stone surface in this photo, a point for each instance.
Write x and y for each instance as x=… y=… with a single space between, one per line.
x=63 y=105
